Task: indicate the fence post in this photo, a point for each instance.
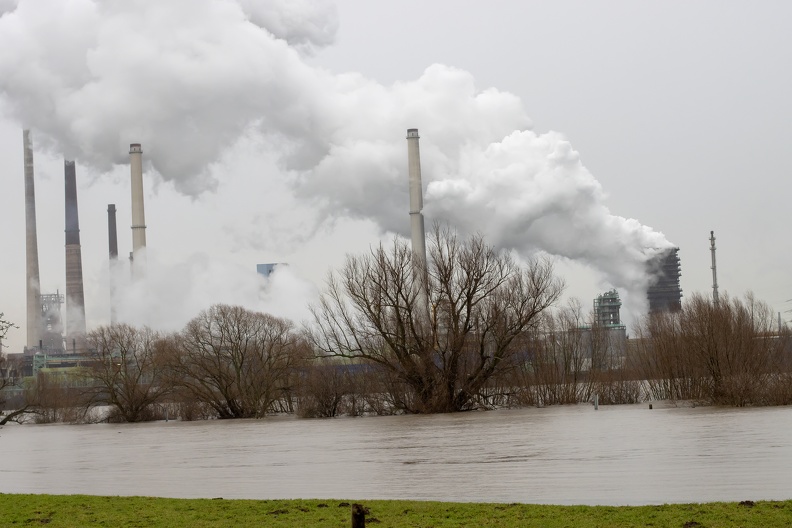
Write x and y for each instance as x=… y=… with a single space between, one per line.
x=358 y=516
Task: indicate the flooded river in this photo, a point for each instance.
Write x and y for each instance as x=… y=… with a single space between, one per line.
x=561 y=455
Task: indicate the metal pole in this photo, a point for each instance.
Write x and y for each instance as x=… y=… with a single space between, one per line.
x=714 y=270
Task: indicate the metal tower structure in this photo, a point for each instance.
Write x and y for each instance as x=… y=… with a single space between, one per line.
x=665 y=293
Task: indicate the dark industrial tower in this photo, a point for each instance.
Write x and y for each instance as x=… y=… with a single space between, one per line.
x=665 y=293
x=75 y=296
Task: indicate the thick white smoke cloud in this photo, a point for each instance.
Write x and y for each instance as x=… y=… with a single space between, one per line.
x=198 y=282
x=188 y=78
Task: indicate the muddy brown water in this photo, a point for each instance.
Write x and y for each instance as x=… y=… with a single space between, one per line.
x=616 y=455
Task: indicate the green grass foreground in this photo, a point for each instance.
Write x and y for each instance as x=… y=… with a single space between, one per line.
x=83 y=510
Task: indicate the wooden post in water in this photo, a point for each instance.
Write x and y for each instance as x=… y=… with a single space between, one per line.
x=358 y=516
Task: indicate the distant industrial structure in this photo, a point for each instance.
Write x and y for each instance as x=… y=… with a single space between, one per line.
x=267 y=269
x=607 y=308
x=54 y=338
x=138 y=213
x=714 y=270
x=417 y=231
x=75 y=292
x=664 y=292
x=607 y=335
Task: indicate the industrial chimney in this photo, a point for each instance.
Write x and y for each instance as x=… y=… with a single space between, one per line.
x=32 y=285
x=714 y=270
x=417 y=232
x=138 y=215
x=75 y=297
x=112 y=238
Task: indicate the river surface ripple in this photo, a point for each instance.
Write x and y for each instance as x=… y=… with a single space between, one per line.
x=617 y=455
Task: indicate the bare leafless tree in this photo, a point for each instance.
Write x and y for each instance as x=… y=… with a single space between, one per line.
x=726 y=353
x=7 y=368
x=437 y=332
x=323 y=388
x=238 y=362
x=9 y=376
x=127 y=371
x=562 y=357
x=58 y=396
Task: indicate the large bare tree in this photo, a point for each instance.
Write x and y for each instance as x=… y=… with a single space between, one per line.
x=237 y=361
x=437 y=331
x=127 y=371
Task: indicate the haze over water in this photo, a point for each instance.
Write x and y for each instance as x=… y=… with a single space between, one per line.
x=617 y=455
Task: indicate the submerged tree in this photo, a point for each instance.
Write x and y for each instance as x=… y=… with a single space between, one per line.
x=236 y=361
x=9 y=375
x=127 y=371
x=727 y=353
x=438 y=331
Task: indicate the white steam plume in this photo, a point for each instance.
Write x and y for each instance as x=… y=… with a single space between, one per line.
x=183 y=289
x=187 y=78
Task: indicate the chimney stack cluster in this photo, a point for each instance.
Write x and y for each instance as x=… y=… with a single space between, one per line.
x=37 y=320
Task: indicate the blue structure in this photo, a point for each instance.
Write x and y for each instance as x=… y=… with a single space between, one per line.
x=267 y=269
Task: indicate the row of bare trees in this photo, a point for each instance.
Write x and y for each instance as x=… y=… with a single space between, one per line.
x=468 y=328
x=730 y=353
x=228 y=362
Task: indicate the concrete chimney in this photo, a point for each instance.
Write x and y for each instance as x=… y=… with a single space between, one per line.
x=138 y=215
x=112 y=238
x=32 y=285
x=75 y=297
x=417 y=232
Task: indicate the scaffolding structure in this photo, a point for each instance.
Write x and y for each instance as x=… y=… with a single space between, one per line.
x=606 y=309
x=665 y=293
x=52 y=323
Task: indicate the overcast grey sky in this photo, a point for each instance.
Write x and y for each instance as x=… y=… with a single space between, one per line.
x=275 y=133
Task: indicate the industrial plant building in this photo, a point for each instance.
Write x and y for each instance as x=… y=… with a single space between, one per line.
x=607 y=336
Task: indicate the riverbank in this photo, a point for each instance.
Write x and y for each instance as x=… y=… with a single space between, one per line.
x=65 y=511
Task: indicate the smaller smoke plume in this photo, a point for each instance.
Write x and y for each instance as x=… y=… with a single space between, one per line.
x=171 y=294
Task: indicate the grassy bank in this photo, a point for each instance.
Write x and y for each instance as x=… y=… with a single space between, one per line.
x=82 y=510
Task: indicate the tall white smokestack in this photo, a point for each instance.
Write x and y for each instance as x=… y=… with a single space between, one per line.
x=417 y=232
x=32 y=285
x=138 y=215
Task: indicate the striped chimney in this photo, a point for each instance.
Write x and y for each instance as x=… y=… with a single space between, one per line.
x=75 y=297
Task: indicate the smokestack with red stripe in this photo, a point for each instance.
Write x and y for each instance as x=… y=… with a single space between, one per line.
x=75 y=297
